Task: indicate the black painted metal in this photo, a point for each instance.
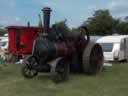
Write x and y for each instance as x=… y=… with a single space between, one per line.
x=46 y=14
x=72 y=49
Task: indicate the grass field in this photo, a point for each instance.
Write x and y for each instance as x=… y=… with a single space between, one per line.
x=111 y=82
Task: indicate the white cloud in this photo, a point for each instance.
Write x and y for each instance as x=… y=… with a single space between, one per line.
x=74 y=11
x=119 y=8
x=17 y=19
x=9 y=21
x=4 y=22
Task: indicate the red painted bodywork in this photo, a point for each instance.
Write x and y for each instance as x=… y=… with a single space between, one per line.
x=26 y=37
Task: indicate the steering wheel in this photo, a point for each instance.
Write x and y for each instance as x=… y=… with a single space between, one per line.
x=84 y=32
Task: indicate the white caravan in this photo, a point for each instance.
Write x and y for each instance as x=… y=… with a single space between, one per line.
x=4 y=43
x=114 y=47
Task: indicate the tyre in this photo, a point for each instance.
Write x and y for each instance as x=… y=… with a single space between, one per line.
x=27 y=70
x=62 y=71
x=28 y=73
x=93 y=59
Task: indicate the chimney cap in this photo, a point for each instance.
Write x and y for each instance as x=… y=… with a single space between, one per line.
x=46 y=9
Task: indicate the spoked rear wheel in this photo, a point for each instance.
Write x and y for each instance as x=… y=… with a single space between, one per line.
x=27 y=69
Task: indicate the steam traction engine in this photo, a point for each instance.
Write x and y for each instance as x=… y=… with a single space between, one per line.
x=59 y=53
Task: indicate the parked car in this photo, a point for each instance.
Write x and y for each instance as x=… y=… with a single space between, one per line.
x=114 y=47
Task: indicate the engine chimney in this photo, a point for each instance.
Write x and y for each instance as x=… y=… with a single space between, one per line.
x=46 y=13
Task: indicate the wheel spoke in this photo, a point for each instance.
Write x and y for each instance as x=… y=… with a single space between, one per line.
x=28 y=72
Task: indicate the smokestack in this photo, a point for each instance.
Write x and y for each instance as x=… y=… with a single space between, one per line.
x=46 y=13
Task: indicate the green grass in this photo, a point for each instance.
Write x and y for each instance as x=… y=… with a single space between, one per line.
x=111 y=82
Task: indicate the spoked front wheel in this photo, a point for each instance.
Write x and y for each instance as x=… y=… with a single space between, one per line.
x=27 y=69
x=29 y=73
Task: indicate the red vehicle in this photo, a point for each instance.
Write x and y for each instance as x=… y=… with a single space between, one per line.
x=21 y=40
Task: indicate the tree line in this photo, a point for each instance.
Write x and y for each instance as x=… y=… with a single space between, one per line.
x=101 y=23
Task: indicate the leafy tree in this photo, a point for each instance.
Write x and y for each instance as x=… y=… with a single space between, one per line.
x=61 y=27
x=123 y=27
x=101 y=23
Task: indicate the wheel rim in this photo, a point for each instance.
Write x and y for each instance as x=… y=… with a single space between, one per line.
x=30 y=62
x=96 y=59
x=28 y=69
x=62 y=70
x=29 y=72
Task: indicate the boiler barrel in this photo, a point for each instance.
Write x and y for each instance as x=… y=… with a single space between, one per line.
x=48 y=50
x=45 y=49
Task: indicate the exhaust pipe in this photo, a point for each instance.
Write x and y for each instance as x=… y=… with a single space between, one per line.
x=46 y=17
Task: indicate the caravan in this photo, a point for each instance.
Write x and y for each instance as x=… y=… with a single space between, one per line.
x=4 y=42
x=114 y=47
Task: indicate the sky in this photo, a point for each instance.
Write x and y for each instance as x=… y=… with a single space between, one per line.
x=19 y=12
